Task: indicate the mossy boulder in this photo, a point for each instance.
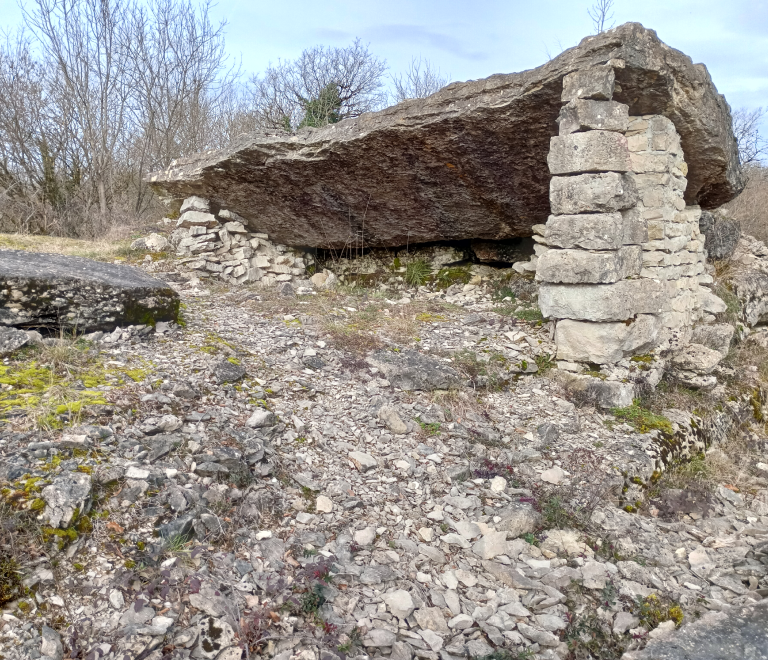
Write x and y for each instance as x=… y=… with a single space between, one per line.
x=56 y=291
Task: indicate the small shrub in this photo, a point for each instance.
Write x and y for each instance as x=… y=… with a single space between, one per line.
x=544 y=362
x=430 y=428
x=417 y=272
x=11 y=586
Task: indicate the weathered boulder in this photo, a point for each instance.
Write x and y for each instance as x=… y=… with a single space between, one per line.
x=53 y=290
x=470 y=161
x=411 y=370
x=11 y=340
x=721 y=235
x=747 y=278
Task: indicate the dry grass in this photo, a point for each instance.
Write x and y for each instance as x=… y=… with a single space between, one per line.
x=103 y=249
x=732 y=462
x=750 y=208
x=355 y=320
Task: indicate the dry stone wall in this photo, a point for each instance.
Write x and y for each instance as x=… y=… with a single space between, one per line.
x=620 y=260
x=216 y=243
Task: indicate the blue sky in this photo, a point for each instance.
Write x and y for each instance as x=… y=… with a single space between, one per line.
x=473 y=39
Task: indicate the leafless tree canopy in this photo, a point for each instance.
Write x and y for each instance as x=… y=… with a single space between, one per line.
x=753 y=147
x=322 y=86
x=601 y=14
x=419 y=81
x=98 y=92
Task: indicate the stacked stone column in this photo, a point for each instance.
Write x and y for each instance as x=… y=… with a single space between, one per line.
x=674 y=252
x=614 y=288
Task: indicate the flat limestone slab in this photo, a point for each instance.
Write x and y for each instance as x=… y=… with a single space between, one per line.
x=468 y=162
x=52 y=291
x=740 y=632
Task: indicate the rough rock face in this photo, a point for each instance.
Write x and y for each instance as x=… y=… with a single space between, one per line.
x=748 y=279
x=740 y=632
x=721 y=235
x=469 y=162
x=52 y=290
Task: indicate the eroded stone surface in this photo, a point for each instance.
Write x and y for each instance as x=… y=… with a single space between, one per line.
x=55 y=291
x=356 y=166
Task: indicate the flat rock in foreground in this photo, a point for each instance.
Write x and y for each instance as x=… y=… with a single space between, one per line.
x=741 y=632
x=53 y=291
x=468 y=162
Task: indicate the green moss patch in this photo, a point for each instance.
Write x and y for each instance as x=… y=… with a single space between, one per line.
x=642 y=419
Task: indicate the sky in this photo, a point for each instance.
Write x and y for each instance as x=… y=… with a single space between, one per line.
x=469 y=39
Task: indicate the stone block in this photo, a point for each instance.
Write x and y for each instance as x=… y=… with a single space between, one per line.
x=668 y=244
x=602 y=302
x=595 y=83
x=709 y=302
x=635 y=228
x=583 y=267
x=697 y=358
x=604 y=343
x=593 y=151
x=645 y=162
x=195 y=204
x=197 y=219
x=602 y=393
x=717 y=336
x=589 y=231
x=591 y=193
x=586 y=115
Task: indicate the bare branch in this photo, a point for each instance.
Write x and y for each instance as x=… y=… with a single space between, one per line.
x=601 y=14
x=753 y=147
x=283 y=94
x=419 y=81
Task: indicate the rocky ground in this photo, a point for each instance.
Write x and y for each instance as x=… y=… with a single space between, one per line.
x=360 y=473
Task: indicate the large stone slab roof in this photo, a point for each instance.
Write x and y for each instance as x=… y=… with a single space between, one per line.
x=467 y=162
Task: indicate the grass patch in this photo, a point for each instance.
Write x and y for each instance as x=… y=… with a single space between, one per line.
x=100 y=250
x=532 y=315
x=488 y=375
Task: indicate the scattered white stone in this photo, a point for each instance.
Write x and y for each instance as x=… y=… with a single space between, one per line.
x=498 y=484
x=365 y=536
x=399 y=603
x=554 y=475
x=323 y=504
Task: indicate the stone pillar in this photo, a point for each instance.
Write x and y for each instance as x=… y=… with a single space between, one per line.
x=620 y=256
x=674 y=252
x=594 y=235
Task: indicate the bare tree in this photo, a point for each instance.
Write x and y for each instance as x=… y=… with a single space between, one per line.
x=323 y=85
x=601 y=14
x=753 y=147
x=419 y=81
x=98 y=92
x=84 y=40
x=178 y=76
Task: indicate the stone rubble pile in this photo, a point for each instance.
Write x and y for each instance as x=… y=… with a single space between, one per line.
x=220 y=509
x=216 y=243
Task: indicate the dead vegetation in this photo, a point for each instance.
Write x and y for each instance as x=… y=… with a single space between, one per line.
x=750 y=208
x=108 y=248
